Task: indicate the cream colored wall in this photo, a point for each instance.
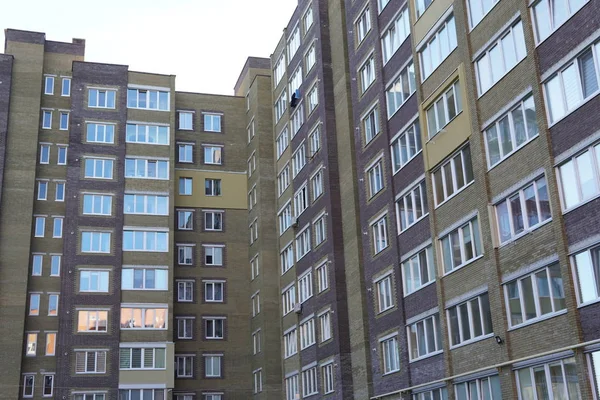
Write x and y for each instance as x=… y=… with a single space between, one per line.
x=234 y=192
x=453 y=134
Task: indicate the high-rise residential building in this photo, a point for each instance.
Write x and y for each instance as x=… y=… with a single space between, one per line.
x=400 y=203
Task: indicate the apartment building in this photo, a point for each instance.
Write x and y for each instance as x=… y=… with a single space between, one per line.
x=124 y=231
x=468 y=141
x=400 y=203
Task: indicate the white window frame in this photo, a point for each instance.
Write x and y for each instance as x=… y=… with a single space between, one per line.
x=390 y=354
x=395 y=96
x=379 y=234
x=496 y=130
x=183 y=117
x=524 y=212
x=484 y=65
x=406 y=216
x=469 y=228
x=553 y=295
x=470 y=320
x=413 y=268
x=428 y=64
x=49 y=84
x=413 y=332
x=467 y=173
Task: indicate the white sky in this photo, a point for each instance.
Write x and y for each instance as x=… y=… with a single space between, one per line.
x=204 y=42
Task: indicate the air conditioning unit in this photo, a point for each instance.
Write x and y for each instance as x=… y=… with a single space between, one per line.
x=298 y=308
x=295 y=222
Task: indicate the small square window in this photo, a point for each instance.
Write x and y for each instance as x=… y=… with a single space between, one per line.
x=186 y=121
x=185 y=186
x=186 y=153
x=185 y=220
x=212 y=122
x=212 y=187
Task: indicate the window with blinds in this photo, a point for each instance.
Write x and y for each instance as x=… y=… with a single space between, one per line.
x=142 y=358
x=90 y=362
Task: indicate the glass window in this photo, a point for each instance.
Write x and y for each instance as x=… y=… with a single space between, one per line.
x=100 y=133
x=461 y=246
x=390 y=355
x=375 y=178
x=573 y=84
x=279 y=69
x=143 y=318
x=146 y=168
x=511 y=132
x=485 y=388
x=60 y=191
x=536 y=295
x=144 y=279
x=95 y=242
x=395 y=35
x=145 y=241
x=523 y=211
x=49 y=85
x=400 y=90
x=370 y=125
x=92 y=321
x=98 y=168
x=411 y=207
x=385 y=293
x=212 y=122
x=93 y=281
x=148 y=134
x=418 y=271
x=101 y=98
x=148 y=99
x=579 y=179
x=555 y=380
x=379 y=232
x=363 y=25
x=44 y=154
x=406 y=146
x=66 y=87
x=146 y=204
x=213 y=221
x=453 y=176
x=441 y=44
x=587 y=270
x=501 y=57
x=42 y=193
x=212 y=366
x=425 y=337
x=470 y=321
x=186 y=120
x=293 y=43
x=549 y=15
x=443 y=110
x=97 y=204
x=63 y=121
x=367 y=74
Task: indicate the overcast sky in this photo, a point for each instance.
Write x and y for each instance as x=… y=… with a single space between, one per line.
x=204 y=42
